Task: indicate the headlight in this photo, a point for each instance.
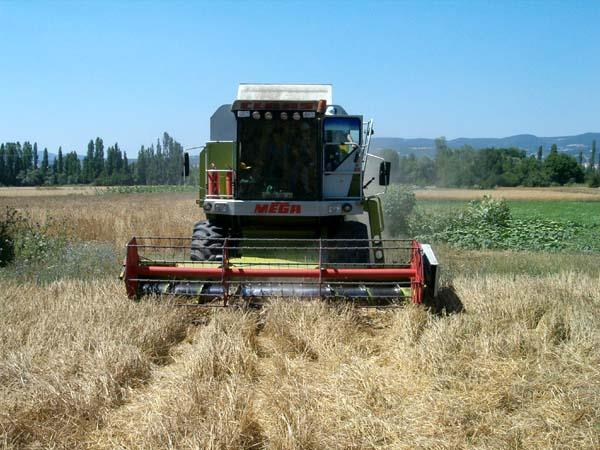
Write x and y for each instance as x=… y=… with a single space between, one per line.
x=296 y=116
x=207 y=206
x=256 y=115
x=221 y=207
x=347 y=207
x=268 y=115
x=283 y=115
x=334 y=209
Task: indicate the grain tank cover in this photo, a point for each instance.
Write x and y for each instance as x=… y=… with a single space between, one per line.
x=222 y=124
x=285 y=92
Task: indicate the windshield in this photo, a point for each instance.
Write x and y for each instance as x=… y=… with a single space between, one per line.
x=340 y=135
x=277 y=158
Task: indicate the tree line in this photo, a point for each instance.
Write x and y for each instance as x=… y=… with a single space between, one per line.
x=21 y=165
x=491 y=167
x=160 y=163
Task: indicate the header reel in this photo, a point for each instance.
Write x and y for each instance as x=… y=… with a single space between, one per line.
x=252 y=270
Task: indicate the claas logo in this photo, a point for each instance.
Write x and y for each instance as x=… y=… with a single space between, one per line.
x=277 y=208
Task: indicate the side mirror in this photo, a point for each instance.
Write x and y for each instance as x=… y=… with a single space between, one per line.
x=384 y=173
x=186 y=164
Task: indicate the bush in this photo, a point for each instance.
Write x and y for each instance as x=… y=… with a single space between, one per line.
x=593 y=180
x=8 y=226
x=487 y=210
x=487 y=224
x=28 y=241
x=35 y=243
x=398 y=203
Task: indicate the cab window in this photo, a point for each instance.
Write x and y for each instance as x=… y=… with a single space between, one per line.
x=342 y=138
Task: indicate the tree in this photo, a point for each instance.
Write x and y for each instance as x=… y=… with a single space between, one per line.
x=45 y=163
x=60 y=165
x=581 y=159
x=561 y=168
x=72 y=168
x=12 y=164
x=27 y=157
x=118 y=159
x=443 y=161
x=540 y=153
x=88 y=163
x=530 y=174
x=173 y=157
x=594 y=180
x=54 y=175
x=141 y=167
x=35 y=156
x=592 y=174
x=98 y=157
x=126 y=175
x=158 y=164
x=110 y=161
x=3 y=170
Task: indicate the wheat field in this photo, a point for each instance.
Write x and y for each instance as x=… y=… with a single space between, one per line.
x=504 y=359
x=48 y=191
x=83 y=367
x=112 y=218
x=578 y=193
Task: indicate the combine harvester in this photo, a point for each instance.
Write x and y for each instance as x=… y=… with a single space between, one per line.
x=288 y=213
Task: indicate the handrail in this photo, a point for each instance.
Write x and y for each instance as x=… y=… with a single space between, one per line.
x=213 y=183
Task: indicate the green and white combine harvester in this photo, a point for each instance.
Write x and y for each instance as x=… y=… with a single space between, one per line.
x=289 y=212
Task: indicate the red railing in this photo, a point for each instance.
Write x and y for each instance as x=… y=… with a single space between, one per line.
x=163 y=265
x=213 y=183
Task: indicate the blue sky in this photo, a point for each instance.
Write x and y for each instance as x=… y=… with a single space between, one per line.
x=127 y=71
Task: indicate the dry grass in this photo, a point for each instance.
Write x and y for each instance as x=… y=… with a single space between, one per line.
x=68 y=354
x=203 y=401
x=457 y=262
x=518 y=369
x=48 y=191
x=551 y=193
x=114 y=218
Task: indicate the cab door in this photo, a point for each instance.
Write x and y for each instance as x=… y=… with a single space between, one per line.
x=342 y=157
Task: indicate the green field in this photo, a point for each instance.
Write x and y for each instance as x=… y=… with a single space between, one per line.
x=582 y=212
x=539 y=225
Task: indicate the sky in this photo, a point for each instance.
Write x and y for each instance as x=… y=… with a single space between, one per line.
x=128 y=71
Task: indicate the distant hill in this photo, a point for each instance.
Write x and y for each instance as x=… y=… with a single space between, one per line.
x=528 y=142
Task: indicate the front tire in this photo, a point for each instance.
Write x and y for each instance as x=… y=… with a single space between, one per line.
x=207 y=241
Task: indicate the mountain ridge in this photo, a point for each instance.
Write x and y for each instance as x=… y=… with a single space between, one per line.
x=528 y=142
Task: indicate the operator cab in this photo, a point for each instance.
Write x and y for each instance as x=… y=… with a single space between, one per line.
x=293 y=151
x=285 y=150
